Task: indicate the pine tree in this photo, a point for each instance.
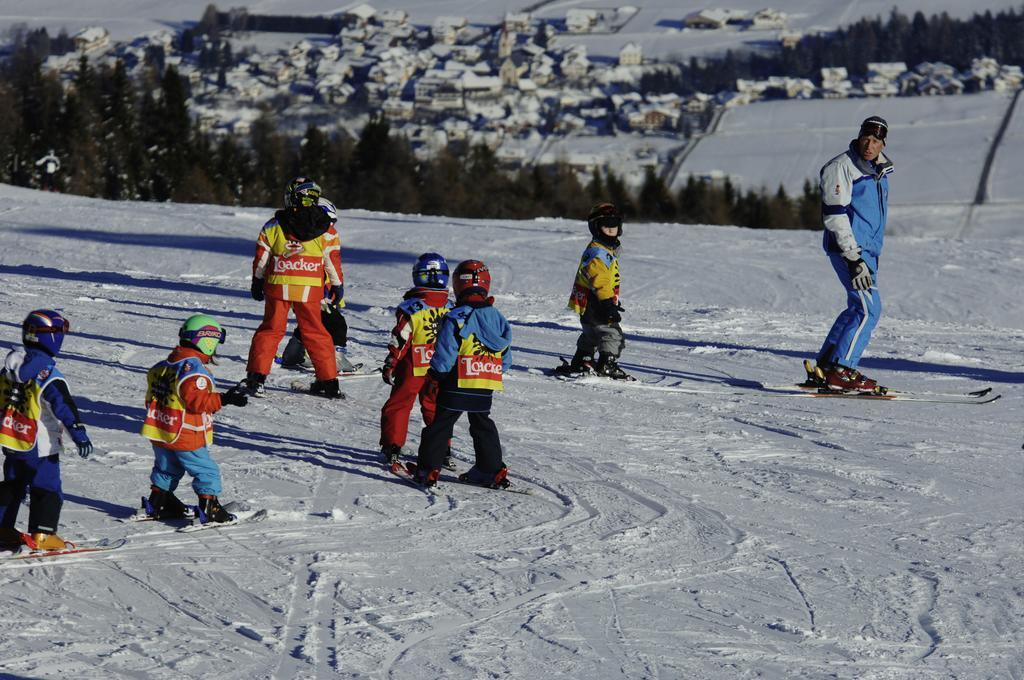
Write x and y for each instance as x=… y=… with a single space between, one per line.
x=655 y=202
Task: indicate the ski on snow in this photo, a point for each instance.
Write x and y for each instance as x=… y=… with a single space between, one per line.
x=241 y=517
x=402 y=472
x=792 y=390
x=22 y=552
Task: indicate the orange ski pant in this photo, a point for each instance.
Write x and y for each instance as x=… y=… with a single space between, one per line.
x=394 y=415
x=268 y=337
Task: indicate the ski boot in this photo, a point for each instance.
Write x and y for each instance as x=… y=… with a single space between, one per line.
x=493 y=480
x=608 y=367
x=449 y=460
x=254 y=384
x=41 y=541
x=10 y=537
x=390 y=453
x=326 y=388
x=165 y=505
x=344 y=365
x=422 y=476
x=582 y=363
x=850 y=380
x=210 y=510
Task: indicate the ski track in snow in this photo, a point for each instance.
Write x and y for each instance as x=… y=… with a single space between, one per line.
x=668 y=534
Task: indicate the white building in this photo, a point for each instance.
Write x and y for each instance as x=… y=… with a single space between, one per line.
x=91 y=38
x=580 y=20
x=517 y=22
x=631 y=54
x=768 y=19
x=446 y=29
x=360 y=15
x=707 y=18
x=393 y=18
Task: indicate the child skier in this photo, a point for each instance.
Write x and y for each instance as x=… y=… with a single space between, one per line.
x=294 y=355
x=180 y=402
x=409 y=352
x=37 y=408
x=472 y=351
x=595 y=297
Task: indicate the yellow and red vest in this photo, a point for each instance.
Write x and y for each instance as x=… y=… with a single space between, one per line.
x=166 y=416
x=478 y=367
x=294 y=270
x=597 y=276
x=424 y=321
x=22 y=410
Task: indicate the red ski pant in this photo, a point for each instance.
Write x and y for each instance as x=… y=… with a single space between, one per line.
x=394 y=415
x=270 y=333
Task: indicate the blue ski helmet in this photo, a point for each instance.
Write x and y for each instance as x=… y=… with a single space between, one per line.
x=44 y=329
x=430 y=271
x=202 y=332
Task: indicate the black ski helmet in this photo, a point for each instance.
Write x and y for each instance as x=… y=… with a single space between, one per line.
x=604 y=215
x=301 y=192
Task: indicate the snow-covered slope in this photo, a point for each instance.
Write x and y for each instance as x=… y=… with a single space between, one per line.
x=668 y=535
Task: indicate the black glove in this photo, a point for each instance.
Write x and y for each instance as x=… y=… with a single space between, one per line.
x=81 y=440
x=257 y=289
x=610 y=310
x=860 y=275
x=235 y=396
x=388 y=371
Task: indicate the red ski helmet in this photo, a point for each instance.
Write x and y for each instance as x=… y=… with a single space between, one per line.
x=471 y=276
x=45 y=329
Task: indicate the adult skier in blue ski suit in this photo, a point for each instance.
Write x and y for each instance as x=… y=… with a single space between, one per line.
x=855 y=196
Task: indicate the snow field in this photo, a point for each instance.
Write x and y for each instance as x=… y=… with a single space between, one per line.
x=668 y=534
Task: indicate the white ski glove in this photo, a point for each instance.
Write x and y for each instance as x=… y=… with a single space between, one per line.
x=860 y=274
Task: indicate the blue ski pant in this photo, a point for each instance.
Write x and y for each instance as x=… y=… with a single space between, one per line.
x=170 y=466
x=851 y=332
x=39 y=478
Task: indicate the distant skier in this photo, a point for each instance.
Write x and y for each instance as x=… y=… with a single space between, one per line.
x=294 y=354
x=49 y=164
x=296 y=251
x=855 y=196
x=181 y=399
x=37 y=409
x=595 y=297
x=409 y=352
x=472 y=351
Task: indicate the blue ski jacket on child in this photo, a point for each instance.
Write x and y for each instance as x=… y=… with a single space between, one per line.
x=473 y=350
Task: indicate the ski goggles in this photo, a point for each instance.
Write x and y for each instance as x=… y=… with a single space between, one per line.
x=872 y=128
x=307 y=193
x=607 y=222
x=60 y=328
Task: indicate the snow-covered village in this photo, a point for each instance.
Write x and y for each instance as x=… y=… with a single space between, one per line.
x=485 y=340
x=524 y=86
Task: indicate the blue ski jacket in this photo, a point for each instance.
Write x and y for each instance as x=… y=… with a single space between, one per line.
x=58 y=406
x=491 y=329
x=855 y=196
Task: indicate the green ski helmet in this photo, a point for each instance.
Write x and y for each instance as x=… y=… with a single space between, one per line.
x=202 y=332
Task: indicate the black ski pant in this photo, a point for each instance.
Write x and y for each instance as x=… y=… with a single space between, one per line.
x=436 y=436
x=333 y=320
